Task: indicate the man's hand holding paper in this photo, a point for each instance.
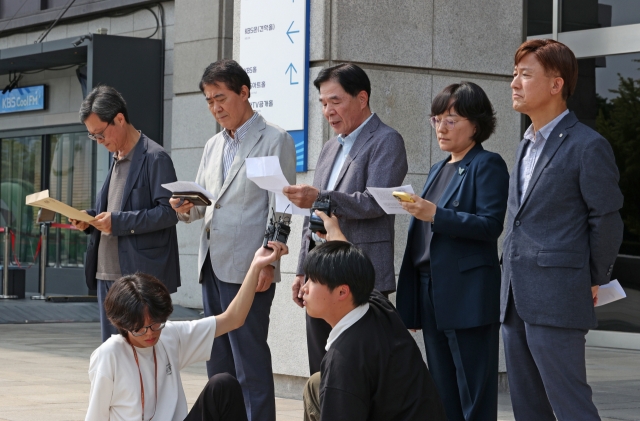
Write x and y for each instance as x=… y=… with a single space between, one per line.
x=266 y=172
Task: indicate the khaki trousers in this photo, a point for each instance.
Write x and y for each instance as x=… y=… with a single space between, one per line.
x=311 y=398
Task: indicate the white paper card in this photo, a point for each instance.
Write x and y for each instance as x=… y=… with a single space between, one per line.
x=610 y=292
x=387 y=202
x=188 y=186
x=267 y=173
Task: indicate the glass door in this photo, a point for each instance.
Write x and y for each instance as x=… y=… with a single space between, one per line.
x=20 y=176
x=71 y=181
x=63 y=163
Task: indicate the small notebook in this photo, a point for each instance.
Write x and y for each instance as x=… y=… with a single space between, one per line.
x=188 y=190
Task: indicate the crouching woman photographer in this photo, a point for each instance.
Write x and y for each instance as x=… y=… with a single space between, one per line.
x=136 y=374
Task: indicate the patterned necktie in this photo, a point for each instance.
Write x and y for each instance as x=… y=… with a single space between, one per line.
x=229 y=155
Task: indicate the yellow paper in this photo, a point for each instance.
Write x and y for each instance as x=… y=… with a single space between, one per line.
x=42 y=200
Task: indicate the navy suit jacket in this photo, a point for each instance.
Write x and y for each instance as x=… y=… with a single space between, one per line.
x=146 y=223
x=564 y=236
x=464 y=247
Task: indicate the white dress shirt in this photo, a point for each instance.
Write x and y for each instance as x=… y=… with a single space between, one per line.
x=346 y=322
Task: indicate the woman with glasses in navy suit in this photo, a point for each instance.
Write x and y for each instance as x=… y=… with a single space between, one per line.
x=449 y=283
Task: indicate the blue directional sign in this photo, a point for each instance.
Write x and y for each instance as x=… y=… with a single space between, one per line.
x=274 y=51
x=289 y=32
x=290 y=70
x=28 y=98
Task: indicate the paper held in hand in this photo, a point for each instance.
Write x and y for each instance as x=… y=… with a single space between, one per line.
x=387 y=202
x=42 y=200
x=610 y=292
x=267 y=173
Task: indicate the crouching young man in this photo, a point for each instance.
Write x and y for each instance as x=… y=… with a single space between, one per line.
x=373 y=369
x=136 y=375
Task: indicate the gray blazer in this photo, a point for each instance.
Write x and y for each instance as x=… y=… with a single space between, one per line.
x=377 y=159
x=565 y=235
x=237 y=219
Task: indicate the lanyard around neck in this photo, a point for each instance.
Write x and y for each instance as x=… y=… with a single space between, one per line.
x=155 y=362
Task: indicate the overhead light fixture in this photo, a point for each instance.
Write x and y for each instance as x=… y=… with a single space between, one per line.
x=80 y=40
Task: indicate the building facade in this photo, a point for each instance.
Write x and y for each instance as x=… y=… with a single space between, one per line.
x=410 y=50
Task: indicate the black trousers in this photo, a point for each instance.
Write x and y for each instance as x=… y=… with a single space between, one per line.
x=462 y=362
x=220 y=400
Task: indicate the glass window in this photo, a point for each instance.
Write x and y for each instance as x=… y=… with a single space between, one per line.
x=578 y=15
x=539 y=17
x=71 y=182
x=20 y=175
x=608 y=99
x=589 y=14
x=70 y=175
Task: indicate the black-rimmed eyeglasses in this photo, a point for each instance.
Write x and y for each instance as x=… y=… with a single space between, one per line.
x=143 y=330
x=99 y=136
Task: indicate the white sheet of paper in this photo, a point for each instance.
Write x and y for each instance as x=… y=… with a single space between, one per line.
x=267 y=173
x=187 y=186
x=387 y=202
x=610 y=292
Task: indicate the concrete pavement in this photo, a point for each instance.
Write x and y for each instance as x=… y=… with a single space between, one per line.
x=43 y=376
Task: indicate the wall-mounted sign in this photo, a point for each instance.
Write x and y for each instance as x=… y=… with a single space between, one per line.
x=274 y=49
x=28 y=98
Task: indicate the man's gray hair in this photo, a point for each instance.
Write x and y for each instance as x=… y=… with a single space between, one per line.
x=105 y=102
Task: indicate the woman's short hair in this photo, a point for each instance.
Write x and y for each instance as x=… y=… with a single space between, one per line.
x=226 y=71
x=470 y=102
x=556 y=58
x=336 y=263
x=133 y=296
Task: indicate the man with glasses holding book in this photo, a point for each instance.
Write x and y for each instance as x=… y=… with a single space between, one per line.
x=135 y=227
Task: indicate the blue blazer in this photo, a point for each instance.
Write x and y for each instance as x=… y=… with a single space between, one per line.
x=464 y=247
x=146 y=223
x=564 y=236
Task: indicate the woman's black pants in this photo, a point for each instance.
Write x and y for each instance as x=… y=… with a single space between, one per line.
x=462 y=362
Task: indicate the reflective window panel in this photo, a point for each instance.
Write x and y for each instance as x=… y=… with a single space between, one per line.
x=577 y=15
x=20 y=175
x=71 y=182
x=608 y=99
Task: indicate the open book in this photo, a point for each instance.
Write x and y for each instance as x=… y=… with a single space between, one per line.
x=42 y=200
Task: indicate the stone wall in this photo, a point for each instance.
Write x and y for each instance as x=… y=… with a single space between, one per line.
x=410 y=50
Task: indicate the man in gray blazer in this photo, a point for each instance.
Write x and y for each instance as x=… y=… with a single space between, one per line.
x=563 y=232
x=365 y=153
x=233 y=226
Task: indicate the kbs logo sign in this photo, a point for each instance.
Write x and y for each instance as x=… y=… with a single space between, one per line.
x=29 y=98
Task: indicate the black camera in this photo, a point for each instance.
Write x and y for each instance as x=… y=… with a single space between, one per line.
x=277 y=230
x=323 y=204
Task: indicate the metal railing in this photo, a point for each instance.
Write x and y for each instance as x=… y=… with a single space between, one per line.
x=5 y=266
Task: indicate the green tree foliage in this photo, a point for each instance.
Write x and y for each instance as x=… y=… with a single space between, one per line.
x=619 y=121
